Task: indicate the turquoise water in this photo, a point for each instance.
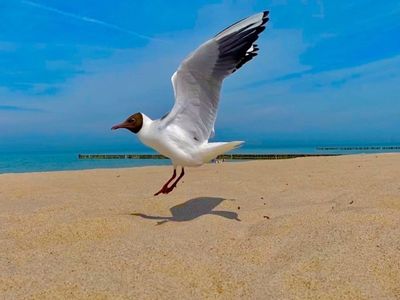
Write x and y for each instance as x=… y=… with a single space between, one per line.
x=59 y=161
x=41 y=162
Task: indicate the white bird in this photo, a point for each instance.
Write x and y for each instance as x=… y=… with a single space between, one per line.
x=182 y=135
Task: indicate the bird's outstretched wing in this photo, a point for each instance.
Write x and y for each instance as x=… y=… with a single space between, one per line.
x=197 y=82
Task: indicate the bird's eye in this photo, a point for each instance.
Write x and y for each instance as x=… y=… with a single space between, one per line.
x=132 y=120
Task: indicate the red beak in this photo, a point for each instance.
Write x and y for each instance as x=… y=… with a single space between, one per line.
x=117 y=126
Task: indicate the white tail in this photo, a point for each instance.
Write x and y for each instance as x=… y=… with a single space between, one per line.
x=212 y=150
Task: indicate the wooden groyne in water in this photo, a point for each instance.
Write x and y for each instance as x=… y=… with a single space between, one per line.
x=121 y=156
x=220 y=157
x=358 y=148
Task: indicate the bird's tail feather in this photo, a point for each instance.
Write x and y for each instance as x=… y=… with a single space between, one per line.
x=212 y=150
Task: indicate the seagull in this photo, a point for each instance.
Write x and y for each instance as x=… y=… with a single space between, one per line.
x=183 y=134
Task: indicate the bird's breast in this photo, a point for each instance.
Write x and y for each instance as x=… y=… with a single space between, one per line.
x=172 y=146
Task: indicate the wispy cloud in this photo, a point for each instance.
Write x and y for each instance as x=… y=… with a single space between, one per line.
x=19 y=108
x=7 y=46
x=88 y=20
x=321 y=14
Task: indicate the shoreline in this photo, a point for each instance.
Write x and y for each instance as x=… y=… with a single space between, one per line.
x=28 y=162
x=83 y=170
x=210 y=163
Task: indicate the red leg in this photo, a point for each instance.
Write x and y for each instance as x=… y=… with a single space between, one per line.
x=169 y=189
x=165 y=186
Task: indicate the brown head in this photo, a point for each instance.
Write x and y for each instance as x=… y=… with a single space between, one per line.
x=134 y=123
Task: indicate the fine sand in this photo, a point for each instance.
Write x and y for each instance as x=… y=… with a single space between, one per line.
x=306 y=228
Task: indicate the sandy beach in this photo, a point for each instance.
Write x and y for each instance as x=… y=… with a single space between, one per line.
x=305 y=228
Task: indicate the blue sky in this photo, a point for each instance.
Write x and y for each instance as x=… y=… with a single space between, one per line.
x=328 y=71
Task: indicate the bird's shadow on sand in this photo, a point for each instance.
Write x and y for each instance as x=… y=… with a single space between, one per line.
x=191 y=210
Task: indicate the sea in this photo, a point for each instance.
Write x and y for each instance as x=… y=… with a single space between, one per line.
x=43 y=161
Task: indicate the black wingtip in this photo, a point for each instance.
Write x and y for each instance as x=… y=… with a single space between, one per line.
x=264 y=20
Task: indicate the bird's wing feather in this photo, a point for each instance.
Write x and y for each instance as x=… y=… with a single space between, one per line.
x=197 y=82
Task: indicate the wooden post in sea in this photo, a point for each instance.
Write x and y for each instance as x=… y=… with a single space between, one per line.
x=233 y=156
